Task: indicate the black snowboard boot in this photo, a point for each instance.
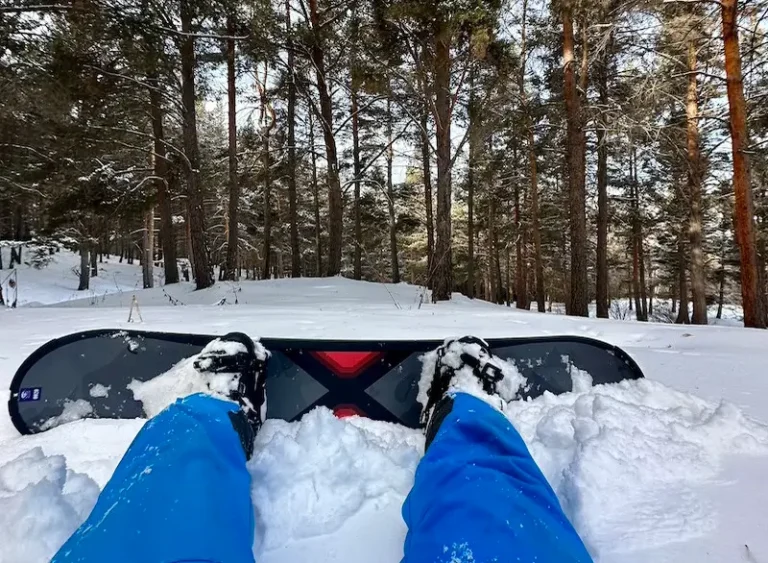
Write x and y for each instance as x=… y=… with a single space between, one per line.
x=463 y=365
x=236 y=367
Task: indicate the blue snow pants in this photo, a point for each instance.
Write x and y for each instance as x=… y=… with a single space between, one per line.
x=182 y=494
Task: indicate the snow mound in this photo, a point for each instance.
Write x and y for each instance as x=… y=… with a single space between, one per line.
x=41 y=504
x=632 y=463
x=312 y=476
x=627 y=460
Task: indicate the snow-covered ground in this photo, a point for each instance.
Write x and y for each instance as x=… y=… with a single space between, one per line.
x=667 y=469
x=57 y=281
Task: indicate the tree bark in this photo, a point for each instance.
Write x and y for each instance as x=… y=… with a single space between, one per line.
x=335 y=199
x=268 y=122
x=521 y=291
x=674 y=298
x=162 y=173
x=357 y=170
x=390 y=157
x=721 y=292
x=494 y=257
x=148 y=240
x=578 y=295
x=93 y=256
x=426 y=166
x=532 y=167
x=199 y=257
x=316 y=201
x=233 y=234
x=442 y=80
x=537 y=258
x=637 y=228
x=472 y=162
x=84 y=267
x=695 y=170
x=291 y=118
x=682 y=314
x=636 y=279
x=602 y=280
x=751 y=294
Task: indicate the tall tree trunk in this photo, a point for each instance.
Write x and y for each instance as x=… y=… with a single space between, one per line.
x=85 y=270
x=521 y=291
x=162 y=172
x=674 y=298
x=268 y=121
x=471 y=164
x=357 y=170
x=721 y=292
x=316 y=201
x=578 y=296
x=390 y=157
x=494 y=257
x=267 y=207
x=195 y=201
x=636 y=280
x=442 y=80
x=426 y=166
x=601 y=289
x=93 y=255
x=233 y=234
x=643 y=285
x=682 y=282
x=751 y=294
x=335 y=199
x=148 y=248
x=651 y=286
x=637 y=229
x=508 y=277
x=537 y=258
x=698 y=279
x=291 y=118
x=535 y=224
x=278 y=269
x=493 y=288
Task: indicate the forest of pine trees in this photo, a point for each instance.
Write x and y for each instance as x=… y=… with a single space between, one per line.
x=522 y=152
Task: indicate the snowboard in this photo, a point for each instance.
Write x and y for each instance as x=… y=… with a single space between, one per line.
x=89 y=374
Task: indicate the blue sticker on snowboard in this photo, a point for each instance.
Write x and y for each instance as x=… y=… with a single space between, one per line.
x=30 y=394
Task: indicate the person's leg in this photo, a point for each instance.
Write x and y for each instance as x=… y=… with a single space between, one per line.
x=478 y=495
x=180 y=493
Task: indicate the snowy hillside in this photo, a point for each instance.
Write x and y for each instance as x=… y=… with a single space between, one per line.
x=670 y=469
x=57 y=281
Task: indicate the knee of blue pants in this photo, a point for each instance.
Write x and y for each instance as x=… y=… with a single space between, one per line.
x=180 y=493
x=479 y=496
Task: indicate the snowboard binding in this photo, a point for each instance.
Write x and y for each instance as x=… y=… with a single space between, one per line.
x=236 y=355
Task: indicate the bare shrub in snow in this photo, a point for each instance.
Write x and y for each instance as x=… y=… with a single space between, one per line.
x=620 y=310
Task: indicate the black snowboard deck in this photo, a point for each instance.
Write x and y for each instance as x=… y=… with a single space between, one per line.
x=377 y=379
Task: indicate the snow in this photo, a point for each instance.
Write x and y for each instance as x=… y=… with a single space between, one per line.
x=183 y=379
x=99 y=390
x=669 y=469
x=57 y=282
x=463 y=378
x=629 y=460
x=41 y=504
x=73 y=410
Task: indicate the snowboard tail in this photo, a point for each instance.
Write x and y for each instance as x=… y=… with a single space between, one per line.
x=89 y=374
